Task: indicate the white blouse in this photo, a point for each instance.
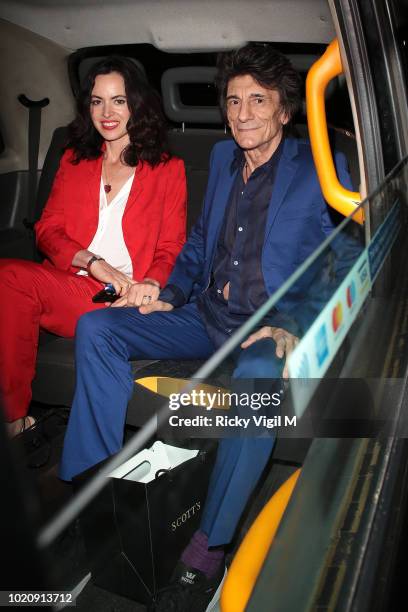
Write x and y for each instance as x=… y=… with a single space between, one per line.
x=108 y=241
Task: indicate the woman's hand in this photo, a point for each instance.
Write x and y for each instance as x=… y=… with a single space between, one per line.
x=104 y=272
x=140 y=294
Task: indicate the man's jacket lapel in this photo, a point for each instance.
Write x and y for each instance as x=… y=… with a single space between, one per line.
x=220 y=201
x=284 y=176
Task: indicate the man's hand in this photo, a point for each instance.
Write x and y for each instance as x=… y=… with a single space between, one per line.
x=285 y=342
x=139 y=294
x=157 y=306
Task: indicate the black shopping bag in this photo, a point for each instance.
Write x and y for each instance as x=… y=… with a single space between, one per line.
x=135 y=531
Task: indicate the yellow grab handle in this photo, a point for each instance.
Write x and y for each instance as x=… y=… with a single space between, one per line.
x=320 y=74
x=249 y=559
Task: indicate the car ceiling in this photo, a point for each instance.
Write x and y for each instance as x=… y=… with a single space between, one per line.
x=172 y=25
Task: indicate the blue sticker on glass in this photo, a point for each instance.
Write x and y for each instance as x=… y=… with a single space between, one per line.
x=321 y=345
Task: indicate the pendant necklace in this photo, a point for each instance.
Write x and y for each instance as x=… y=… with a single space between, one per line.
x=107 y=186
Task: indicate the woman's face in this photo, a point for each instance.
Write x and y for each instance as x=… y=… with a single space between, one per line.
x=109 y=110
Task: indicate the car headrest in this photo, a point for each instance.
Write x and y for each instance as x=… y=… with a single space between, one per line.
x=178 y=110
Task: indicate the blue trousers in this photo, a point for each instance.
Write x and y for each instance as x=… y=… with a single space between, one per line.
x=105 y=342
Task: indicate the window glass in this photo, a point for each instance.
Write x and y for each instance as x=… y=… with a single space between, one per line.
x=156 y=62
x=381 y=55
x=198 y=94
x=399 y=15
x=325 y=299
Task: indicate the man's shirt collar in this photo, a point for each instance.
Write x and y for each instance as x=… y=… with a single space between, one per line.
x=239 y=159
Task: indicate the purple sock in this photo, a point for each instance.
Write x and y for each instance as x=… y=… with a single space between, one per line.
x=197 y=555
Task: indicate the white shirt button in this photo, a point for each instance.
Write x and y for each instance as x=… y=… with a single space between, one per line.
x=236 y=262
x=240 y=229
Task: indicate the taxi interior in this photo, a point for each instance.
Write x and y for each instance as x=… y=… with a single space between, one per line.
x=47 y=48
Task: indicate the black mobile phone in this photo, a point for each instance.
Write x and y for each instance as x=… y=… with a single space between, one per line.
x=107 y=294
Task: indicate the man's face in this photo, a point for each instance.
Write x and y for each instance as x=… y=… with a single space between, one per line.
x=254 y=114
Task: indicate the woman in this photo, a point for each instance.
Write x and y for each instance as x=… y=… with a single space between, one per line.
x=116 y=214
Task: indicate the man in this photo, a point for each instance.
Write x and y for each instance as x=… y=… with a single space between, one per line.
x=263 y=215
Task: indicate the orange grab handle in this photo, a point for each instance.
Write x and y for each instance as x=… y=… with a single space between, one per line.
x=249 y=559
x=320 y=74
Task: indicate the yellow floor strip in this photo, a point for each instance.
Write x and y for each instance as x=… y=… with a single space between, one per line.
x=166 y=386
x=251 y=555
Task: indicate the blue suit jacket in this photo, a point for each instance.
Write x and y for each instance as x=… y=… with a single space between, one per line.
x=298 y=219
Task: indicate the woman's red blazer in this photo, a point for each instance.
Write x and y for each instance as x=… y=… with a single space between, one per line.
x=154 y=221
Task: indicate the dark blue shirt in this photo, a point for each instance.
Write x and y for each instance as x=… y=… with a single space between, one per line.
x=238 y=257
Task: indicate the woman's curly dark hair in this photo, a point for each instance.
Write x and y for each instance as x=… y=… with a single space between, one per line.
x=268 y=67
x=146 y=126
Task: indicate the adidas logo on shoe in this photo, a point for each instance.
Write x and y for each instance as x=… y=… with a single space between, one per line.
x=188 y=577
x=190 y=590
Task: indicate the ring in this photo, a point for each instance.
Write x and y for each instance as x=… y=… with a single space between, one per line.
x=148 y=297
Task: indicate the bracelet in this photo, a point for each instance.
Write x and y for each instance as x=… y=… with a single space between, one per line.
x=91 y=261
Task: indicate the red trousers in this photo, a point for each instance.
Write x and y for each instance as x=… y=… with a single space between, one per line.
x=34 y=297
